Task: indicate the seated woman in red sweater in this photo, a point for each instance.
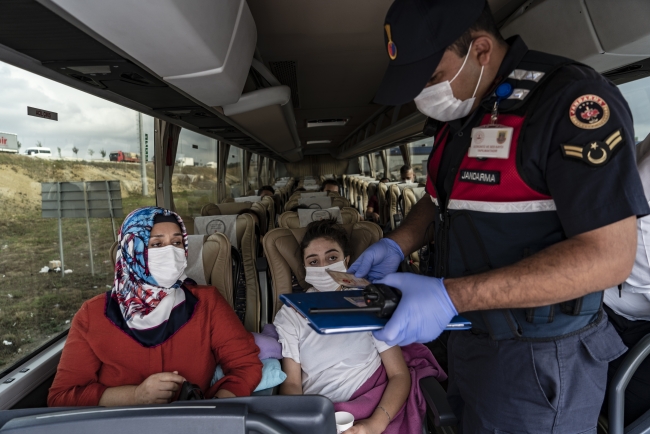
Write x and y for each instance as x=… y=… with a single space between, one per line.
x=154 y=329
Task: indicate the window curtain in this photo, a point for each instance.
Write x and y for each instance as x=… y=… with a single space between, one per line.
x=371 y=164
x=165 y=146
x=245 y=169
x=224 y=151
x=384 y=161
x=260 y=171
x=272 y=172
x=406 y=153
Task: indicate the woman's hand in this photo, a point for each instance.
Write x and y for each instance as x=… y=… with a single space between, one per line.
x=158 y=388
x=363 y=426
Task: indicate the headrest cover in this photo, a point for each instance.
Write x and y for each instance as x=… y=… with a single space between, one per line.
x=307 y=216
x=316 y=202
x=223 y=224
x=314 y=194
x=248 y=199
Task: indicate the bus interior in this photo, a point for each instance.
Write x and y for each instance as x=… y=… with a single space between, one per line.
x=277 y=93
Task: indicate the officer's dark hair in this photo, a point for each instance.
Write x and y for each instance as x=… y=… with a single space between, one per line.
x=330 y=182
x=328 y=229
x=267 y=188
x=484 y=23
x=404 y=169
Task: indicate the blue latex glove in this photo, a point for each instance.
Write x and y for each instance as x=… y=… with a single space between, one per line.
x=423 y=312
x=378 y=260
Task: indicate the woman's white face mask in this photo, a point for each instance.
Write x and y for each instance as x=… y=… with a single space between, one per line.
x=167 y=265
x=321 y=280
x=438 y=101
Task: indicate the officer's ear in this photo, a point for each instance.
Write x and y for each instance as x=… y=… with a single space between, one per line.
x=346 y=261
x=482 y=49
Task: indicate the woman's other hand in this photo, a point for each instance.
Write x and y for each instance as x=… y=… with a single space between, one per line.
x=158 y=388
x=363 y=426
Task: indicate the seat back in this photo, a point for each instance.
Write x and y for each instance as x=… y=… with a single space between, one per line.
x=382 y=198
x=410 y=196
x=282 y=249
x=291 y=219
x=246 y=251
x=215 y=267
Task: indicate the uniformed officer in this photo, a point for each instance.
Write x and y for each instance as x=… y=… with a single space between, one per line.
x=533 y=193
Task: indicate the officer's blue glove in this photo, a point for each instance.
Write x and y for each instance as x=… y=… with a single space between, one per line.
x=423 y=312
x=378 y=260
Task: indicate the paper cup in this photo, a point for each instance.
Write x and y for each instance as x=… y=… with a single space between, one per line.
x=344 y=421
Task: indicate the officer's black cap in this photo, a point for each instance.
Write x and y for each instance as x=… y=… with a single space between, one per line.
x=420 y=32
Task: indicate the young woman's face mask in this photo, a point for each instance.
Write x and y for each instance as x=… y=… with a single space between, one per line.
x=320 y=255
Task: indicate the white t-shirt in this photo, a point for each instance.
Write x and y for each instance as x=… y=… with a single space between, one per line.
x=633 y=302
x=335 y=365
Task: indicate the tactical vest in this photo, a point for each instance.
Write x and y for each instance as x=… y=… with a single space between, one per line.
x=493 y=218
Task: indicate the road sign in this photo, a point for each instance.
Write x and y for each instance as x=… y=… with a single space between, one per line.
x=40 y=113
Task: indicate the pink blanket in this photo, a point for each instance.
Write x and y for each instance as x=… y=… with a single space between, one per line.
x=408 y=420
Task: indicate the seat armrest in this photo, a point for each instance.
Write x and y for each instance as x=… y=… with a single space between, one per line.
x=619 y=383
x=436 y=399
x=262 y=267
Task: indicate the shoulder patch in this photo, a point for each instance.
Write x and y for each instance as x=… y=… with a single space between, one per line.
x=589 y=112
x=596 y=153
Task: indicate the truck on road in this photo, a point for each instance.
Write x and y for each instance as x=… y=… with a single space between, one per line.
x=8 y=143
x=126 y=157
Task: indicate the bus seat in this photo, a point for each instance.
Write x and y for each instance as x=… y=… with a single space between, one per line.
x=410 y=196
x=291 y=220
x=282 y=248
x=393 y=195
x=271 y=210
x=245 y=253
x=216 y=266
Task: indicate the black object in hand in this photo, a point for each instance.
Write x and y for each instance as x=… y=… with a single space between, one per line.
x=379 y=298
x=190 y=392
x=384 y=297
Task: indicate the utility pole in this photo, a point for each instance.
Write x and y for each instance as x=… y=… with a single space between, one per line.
x=143 y=157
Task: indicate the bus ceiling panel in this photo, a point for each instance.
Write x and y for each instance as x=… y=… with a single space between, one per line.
x=622 y=26
x=202 y=47
x=33 y=30
x=604 y=37
x=270 y=124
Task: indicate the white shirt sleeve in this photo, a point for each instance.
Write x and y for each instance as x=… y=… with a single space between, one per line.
x=287 y=323
x=380 y=345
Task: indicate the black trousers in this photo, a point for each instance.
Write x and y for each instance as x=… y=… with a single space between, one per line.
x=637 y=394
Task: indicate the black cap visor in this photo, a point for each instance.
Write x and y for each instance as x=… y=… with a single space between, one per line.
x=402 y=83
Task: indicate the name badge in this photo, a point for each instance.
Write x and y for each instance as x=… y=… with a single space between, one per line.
x=491 y=142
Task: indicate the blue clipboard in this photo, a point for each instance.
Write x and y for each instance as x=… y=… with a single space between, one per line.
x=331 y=323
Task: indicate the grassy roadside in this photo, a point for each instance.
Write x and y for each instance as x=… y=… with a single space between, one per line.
x=35 y=306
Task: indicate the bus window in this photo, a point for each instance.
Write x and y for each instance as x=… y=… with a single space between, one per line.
x=420 y=151
x=234 y=186
x=364 y=167
x=637 y=94
x=379 y=165
x=194 y=182
x=37 y=300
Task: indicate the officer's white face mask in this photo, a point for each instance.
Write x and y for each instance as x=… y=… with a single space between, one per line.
x=167 y=265
x=319 y=279
x=438 y=101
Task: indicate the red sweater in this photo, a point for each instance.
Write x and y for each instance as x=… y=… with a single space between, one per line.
x=98 y=355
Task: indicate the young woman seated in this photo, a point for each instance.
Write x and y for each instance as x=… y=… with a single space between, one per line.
x=336 y=366
x=155 y=329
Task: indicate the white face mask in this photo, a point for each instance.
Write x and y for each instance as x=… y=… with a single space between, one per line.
x=167 y=265
x=319 y=279
x=438 y=101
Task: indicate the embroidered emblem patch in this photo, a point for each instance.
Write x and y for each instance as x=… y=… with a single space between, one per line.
x=480 y=176
x=595 y=153
x=392 y=48
x=589 y=112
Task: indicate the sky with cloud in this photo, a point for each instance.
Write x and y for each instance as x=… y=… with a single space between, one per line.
x=85 y=121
